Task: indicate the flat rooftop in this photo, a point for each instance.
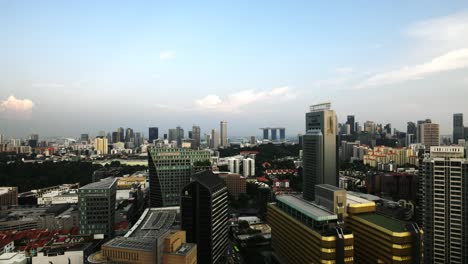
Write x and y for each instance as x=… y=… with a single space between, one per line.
x=102 y=184
x=131 y=243
x=386 y=222
x=312 y=210
x=154 y=222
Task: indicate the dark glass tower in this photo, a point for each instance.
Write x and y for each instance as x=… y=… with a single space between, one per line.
x=204 y=216
x=458 y=128
x=153 y=134
x=351 y=123
x=312 y=160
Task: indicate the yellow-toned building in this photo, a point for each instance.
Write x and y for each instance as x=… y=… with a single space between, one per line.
x=177 y=251
x=383 y=154
x=100 y=145
x=304 y=232
x=379 y=238
x=127 y=182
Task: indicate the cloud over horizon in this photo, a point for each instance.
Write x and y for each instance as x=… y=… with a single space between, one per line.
x=237 y=101
x=13 y=108
x=167 y=55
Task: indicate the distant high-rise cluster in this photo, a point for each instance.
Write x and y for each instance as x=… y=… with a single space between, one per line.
x=273 y=131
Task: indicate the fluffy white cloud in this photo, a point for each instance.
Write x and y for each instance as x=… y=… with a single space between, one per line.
x=453 y=60
x=237 y=101
x=167 y=55
x=13 y=108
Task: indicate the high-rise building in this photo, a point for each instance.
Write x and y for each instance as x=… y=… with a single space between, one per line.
x=273 y=134
x=429 y=134
x=458 y=128
x=411 y=128
x=253 y=140
x=96 y=203
x=172 y=135
x=312 y=163
x=109 y=138
x=370 y=127
x=129 y=136
x=101 y=145
x=282 y=134
x=248 y=167
x=234 y=165
x=265 y=133
x=115 y=137
x=304 y=232
x=2 y=138
x=445 y=214
x=153 y=134
x=223 y=134
x=204 y=215
x=170 y=169
x=138 y=139
x=418 y=128
x=84 y=137
x=196 y=136
x=214 y=139
x=352 y=126
x=388 y=129
x=179 y=136
x=323 y=118
x=121 y=137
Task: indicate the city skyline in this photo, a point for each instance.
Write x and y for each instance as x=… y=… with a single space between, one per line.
x=55 y=77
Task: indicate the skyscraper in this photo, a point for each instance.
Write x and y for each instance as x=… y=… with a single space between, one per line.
x=248 y=167
x=282 y=134
x=351 y=123
x=458 y=128
x=223 y=133
x=411 y=128
x=172 y=135
x=321 y=117
x=204 y=205
x=115 y=137
x=129 y=136
x=179 y=136
x=100 y=145
x=214 y=139
x=138 y=139
x=153 y=134
x=96 y=203
x=312 y=162
x=273 y=134
x=170 y=169
x=84 y=137
x=265 y=133
x=429 y=134
x=121 y=135
x=196 y=133
x=445 y=214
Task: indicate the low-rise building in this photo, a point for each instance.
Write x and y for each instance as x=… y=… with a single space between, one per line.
x=8 y=196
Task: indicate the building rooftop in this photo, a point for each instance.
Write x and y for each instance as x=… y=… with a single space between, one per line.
x=312 y=210
x=131 y=243
x=154 y=222
x=209 y=180
x=102 y=184
x=386 y=222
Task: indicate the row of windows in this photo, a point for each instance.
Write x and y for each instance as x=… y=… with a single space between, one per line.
x=121 y=254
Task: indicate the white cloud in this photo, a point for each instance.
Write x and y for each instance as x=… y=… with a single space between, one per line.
x=344 y=70
x=453 y=60
x=13 y=108
x=237 y=101
x=167 y=55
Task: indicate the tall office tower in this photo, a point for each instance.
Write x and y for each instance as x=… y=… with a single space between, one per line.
x=273 y=134
x=304 y=232
x=138 y=139
x=370 y=127
x=208 y=140
x=323 y=118
x=2 y=138
x=411 y=128
x=351 y=123
x=388 y=129
x=253 y=140
x=445 y=215
x=84 y=137
x=312 y=162
x=101 y=145
x=129 y=136
x=223 y=134
x=121 y=134
x=153 y=134
x=190 y=134
x=410 y=139
x=179 y=136
x=96 y=203
x=214 y=139
x=109 y=138
x=165 y=136
x=358 y=128
x=265 y=133
x=282 y=134
x=196 y=136
x=172 y=135
x=204 y=216
x=418 y=128
x=170 y=169
x=429 y=134
x=458 y=128
x=248 y=167
x=115 y=137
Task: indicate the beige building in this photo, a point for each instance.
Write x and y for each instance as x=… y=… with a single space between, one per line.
x=385 y=155
x=100 y=145
x=177 y=251
x=430 y=135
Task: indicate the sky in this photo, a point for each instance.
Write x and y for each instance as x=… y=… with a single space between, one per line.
x=72 y=67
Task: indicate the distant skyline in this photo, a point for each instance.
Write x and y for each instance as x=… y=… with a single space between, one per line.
x=68 y=68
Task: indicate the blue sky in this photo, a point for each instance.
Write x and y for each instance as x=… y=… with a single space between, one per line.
x=69 y=68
